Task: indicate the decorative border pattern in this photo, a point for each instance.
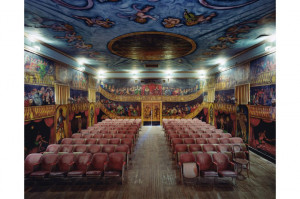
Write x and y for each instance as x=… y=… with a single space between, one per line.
x=263 y=112
x=140 y=98
x=191 y=115
x=39 y=112
x=230 y=108
x=78 y=107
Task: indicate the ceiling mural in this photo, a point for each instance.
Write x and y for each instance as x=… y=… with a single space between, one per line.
x=85 y=28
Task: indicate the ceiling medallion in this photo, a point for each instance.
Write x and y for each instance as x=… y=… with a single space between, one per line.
x=151 y=46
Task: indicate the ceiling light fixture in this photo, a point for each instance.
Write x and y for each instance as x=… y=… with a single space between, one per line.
x=81 y=61
x=271 y=38
x=169 y=72
x=81 y=68
x=37 y=48
x=101 y=72
x=221 y=61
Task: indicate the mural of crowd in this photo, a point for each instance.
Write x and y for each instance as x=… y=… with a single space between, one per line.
x=122 y=108
x=78 y=96
x=262 y=65
x=263 y=95
x=225 y=96
x=129 y=87
x=181 y=108
x=38 y=95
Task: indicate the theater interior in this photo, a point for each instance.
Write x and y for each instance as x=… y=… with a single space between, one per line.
x=149 y=99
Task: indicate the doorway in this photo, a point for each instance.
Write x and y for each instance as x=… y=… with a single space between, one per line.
x=152 y=113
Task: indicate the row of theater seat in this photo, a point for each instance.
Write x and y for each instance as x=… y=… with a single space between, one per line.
x=97 y=141
x=199 y=135
x=71 y=165
x=109 y=136
x=206 y=165
x=182 y=131
x=233 y=140
x=107 y=130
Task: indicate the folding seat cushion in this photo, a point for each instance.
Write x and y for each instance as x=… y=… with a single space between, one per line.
x=80 y=148
x=48 y=161
x=66 y=148
x=212 y=141
x=208 y=147
x=86 y=136
x=224 y=141
x=76 y=135
x=201 y=141
x=94 y=148
x=78 y=141
x=98 y=136
x=189 y=141
x=108 y=136
x=115 y=166
x=81 y=164
x=184 y=135
x=108 y=148
x=224 y=166
x=218 y=130
x=195 y=147
x=226 y=135
x=188 y=166
x=52 y=148
x=98 y=162
x=103 y=141
x=128 y=142
x=123 y=148
x=216 y=135
x=206 y=166
x=236 y=140
x=67 y=141
x=115 y=141
x=119 y=136
x=175 y=141
x=223 y=148
x=205 y=135
x=91 y=141
x=65 y=162
x=32 y=162
x=194 y=135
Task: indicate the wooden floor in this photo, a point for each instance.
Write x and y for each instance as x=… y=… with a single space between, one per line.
x=153 y=174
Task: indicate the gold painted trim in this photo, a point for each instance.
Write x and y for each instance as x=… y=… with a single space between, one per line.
x=151 y=102
x=111 y=42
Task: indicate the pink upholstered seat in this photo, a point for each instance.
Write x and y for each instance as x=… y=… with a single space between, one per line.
x=76 y=135
x=81 y=164
x=96 y=168
x=67 y=141
x=64 y=165
x=224 y=166
x=206 y=166
x=52 y=148
x=208 y=147
x=94 y=148
x=195 y=147
x=48 y=161
x=108 y=149
x=115 y=166
x=32 y=162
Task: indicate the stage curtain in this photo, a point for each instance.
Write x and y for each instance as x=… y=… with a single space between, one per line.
x=216 y=113
x=97 y=111
x=92 y=95
x=62 y=94
x=86 y=113
x=205 y=110
x=268 y=121
x=211 y=95
x=242 y=94
x=50 y=123
x=71 y=116
x=254 y=121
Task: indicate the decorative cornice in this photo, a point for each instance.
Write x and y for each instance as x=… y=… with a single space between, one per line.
x=139 y=98
x=39 y=112
x=262 y=112
x=230 y=108
x=112 y=115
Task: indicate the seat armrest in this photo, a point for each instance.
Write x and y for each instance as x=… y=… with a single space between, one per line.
x=216 y=166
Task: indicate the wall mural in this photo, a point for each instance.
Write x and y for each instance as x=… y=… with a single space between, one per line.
x=263 y=70
x=225 y=96
x=158 y=87
x=263 y=95
x=225 y=121
x=263 y=135
x=211 y=113
x=181 y=109
x=35 y=95
x=61 y=123
x=242 y=122
x=92 y=114
x=122 y=108
x=202 y=115
x=38 y=70
x=78 y=96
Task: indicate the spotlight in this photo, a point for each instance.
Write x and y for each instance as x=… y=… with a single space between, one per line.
x=169 y=72
x=101 y=72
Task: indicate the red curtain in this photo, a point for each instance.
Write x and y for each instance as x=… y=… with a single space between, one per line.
x=97 y=111
x=86 y=113
x=254 y=121
x=71 y=116
x=205 y=110
x=216 y=113
x=25 y=123
x=268 y=121
x=37 y=121
x=233 y=118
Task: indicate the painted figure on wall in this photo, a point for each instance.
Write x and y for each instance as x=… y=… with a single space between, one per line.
x=242 y=122
x=92 y=116
x=60 y=128
x=140 y=16
x=225 y=96
x=38 y=95
x=211 y=114
x=263 y=95
x=156 y=115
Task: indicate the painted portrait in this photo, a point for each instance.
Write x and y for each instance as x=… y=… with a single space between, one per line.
x=78 y=96
x=225 y=96
x=35 y=95
x=61 y=123
x=92 y=115
x=263 y=95
x=242 y=119
x=211 y=113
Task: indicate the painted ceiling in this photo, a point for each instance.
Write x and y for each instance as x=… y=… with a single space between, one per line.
x=85 y=28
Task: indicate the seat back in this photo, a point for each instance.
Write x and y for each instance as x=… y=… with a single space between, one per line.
x=201 y=141
x=94 y=148
x=91 y=141
x=76 y=135
x=208 y=147
x=108 y=136
x=80 y=148
x=32 y=160
x=86 y=136
x=194 y=135
x=103 y=141
x=195 y=147
x=205 y=161
x=205 y=135
x=215 y=135
x=222 y=161
x=127 y=141
x=212 y=141
x=122 y=148
x=114 y=141
x=98 y=136
x=224 y=141
x=67 y=141
x=108 y=149
x=66 y=148
x=98 y=161
x=119 y=136
x=226 y=135
x=223 y=147
x=53 y=148
x=184 y=135
x=48 y=161
x=78 y=141
x=181 y=148
x=236 y=140
x=115 y=161
x=82 y=161
x=65 y=161
x=189 y=141
x=186 y=157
